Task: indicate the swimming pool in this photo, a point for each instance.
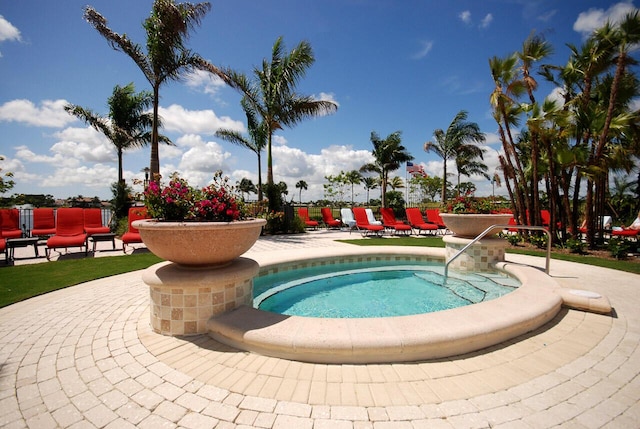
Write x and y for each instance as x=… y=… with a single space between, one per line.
x=348 y=291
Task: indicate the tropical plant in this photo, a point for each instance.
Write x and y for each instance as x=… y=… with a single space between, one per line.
x=127 y=125
x=353 y=178
x=272 y=94
x=389 y=154
x=370 y=183
x=255 y=142
x=167 y=57
x=246 y=186
x=457 y=140
x=6 y=183
x=301 y=184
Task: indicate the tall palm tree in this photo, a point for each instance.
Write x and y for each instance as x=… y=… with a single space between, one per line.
x=255 y=142
x=126 y=125
x=301 y=184
x=389 y=154
x=469 y=161
x=369 y=184
x=353 y=177
x=167 y=57
x=246 y=186
x=460 y=134
x=396 y=182
x=273 y=93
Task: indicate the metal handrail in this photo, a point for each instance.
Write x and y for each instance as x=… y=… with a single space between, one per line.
x=491 y=228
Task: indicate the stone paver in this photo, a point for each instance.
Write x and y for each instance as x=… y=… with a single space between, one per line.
x=86 y=357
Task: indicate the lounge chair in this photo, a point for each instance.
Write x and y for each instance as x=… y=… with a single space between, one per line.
x=3 y=248
x=303 y=213
x=69 y=231
x=415 y=219
x=44 y=223
x=347 y=219
x=371 y=218
x=327 y=218
x=10 y=223
x=363 y=225
x=133 y=235
x=93 y=222
x=433 y=216
x=390 y=222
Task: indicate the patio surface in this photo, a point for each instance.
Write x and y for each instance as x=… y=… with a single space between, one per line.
x=85 y=357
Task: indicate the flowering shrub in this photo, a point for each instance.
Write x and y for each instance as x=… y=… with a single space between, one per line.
x=217 y=202
x=469 y=204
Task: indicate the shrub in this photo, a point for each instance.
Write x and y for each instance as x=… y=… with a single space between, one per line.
x=575 y=245
x=540 y=241
x=513 y=239
x=619 y=247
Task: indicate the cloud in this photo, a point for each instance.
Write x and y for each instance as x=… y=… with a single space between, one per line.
x=465 y=16
x=8 y=31
x=595 y=18
x=426 y=47
x=546 y=17
x=486 y=21
x=200 y=79
x=50 y=113
x=177 y=118
x=326 y=96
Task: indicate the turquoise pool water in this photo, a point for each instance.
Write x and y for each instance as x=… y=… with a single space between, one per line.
x=389 y=290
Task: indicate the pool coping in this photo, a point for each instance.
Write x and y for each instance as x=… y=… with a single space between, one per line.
x=396 y=339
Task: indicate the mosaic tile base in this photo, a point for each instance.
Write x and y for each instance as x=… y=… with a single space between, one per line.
x=481 y=256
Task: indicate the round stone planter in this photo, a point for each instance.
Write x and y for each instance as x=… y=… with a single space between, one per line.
x=199 y=244
x=471 y=225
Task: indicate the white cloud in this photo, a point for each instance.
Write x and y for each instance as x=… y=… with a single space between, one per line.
x=595 y=18
x=202 y=158
x=209 y=83
x=426 y=47
x=94 y=176
x=50 y=113
x=8 y=31
x=486 y=21
x=177 y=118
x=557 y=95
x=546 y=17
x=326 y=96
x=465 y=16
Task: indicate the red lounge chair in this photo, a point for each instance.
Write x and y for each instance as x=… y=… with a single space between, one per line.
x=10 y=223
x=327 y=218
x=415 y=219
x=303 y=213
x=363 y=225
x=133 y=235
x=626 y=233
x=69 y=231
x=93 y=222
x=44 y=223
x=390 y=222
x=3 y=248
x=433 y=216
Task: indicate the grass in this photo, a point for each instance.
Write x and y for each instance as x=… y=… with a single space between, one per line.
x=25 y=281
x=21 y=282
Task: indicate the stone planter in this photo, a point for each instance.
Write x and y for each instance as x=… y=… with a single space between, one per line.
x=472 y=224
x=199 y=244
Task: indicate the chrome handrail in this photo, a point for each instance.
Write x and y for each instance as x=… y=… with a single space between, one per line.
x=491 y=228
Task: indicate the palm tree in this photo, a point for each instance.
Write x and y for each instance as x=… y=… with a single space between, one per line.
x=167 y=28
x=369 y=184
x=273 y=95
x=127 y=125
x=389 y=154
x=467 y=162
x=459 y=135
x=396 y=183
x=353 y=177
x=246 y=186
x=301 y=184
x=255 y=142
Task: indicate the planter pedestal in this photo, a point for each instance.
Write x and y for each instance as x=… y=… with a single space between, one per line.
x=184 y=298
x=479 y=257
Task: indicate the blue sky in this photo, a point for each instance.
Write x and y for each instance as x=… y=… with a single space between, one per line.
x=390 y=65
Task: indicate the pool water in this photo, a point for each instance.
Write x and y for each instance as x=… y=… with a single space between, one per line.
x=382 y=291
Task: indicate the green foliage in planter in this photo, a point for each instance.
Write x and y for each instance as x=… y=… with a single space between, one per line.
x=513 y=239
x=540 y=241
x=619 y=247
x=575 y=245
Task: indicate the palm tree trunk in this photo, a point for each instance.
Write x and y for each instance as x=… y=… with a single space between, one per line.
x=154 y=163
x=120 y=175
x=259 y=177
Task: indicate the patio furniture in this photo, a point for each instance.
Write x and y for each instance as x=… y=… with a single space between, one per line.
x=371 y=218
x=347 y=219
x=69 y=231
x=327 y=218
x=390 y=222
x=97 y=238
x=10 y=223
x=433 y=216
x=363 y=225
x=415 y=219
x=133 y=235
x=12 y=243
x=44 y=222
x=93 y=222
x=303 y=213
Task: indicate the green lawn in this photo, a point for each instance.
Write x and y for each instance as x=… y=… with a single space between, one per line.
x=25 y=281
